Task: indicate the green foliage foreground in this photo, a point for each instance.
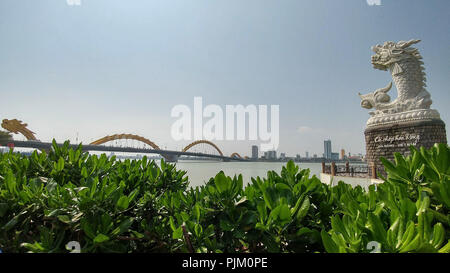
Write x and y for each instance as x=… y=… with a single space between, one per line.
x=107 y=205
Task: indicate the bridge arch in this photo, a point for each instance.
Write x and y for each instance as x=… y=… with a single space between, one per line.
x=236 y=155
x=125 y=136
x=204 y=142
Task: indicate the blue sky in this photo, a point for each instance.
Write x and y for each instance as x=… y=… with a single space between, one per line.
x=113 y=66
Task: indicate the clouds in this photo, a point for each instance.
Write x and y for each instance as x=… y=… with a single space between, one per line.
x=304 y=129
x=373 y=2
x=307 y=130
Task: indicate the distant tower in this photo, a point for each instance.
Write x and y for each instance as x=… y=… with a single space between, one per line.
x=254 y=152
x=342 y=154
x=307 y=155
x=272 y=154
x=327 y=149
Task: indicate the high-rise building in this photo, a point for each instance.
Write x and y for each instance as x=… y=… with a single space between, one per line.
x=255 y=152
x=307 y=155
x=327 y=149
x=270 y=154
x=282 y=156
x=343 y=154
x=334 y=156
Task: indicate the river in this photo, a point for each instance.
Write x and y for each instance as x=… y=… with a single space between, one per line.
x=201 y=171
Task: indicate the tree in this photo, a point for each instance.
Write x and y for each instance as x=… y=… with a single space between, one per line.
x=5 y=137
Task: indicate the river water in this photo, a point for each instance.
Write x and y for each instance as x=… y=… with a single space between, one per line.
x=201 y=171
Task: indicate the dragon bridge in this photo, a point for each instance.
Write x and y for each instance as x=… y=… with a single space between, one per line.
x=202 y=142
x=236 y=155
x=17 y=126
x=125 y=136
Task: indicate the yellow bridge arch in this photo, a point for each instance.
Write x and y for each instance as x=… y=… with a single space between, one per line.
x=204 y=142
x=16 y=126
x=236 y=155
x=125 y=136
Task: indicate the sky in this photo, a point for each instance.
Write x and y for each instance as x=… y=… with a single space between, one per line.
x=116 y=66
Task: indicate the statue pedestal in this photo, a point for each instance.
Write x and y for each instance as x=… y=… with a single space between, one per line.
x=384 y=140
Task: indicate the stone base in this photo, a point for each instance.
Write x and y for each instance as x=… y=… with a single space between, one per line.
x=384 y=140
x=408 y=116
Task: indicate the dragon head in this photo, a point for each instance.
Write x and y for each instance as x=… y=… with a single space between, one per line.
x=391 y=53
x=16 y=126
x=13 y=125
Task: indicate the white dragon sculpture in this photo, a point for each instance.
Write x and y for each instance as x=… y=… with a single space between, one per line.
x=406 y=68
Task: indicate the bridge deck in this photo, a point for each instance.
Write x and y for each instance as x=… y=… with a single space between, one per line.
x=101 y=148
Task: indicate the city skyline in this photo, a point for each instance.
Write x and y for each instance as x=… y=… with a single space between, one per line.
x=327 y=154
x=76 y=72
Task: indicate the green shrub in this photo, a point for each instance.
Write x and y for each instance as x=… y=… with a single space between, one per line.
x=107 y=205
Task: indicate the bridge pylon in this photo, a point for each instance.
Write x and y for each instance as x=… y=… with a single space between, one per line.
x=170 y=158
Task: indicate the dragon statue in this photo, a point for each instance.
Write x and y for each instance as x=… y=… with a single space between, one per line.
x=407 y=71
x=16 y=126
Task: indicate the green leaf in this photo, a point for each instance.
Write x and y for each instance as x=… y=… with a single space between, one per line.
x=60 y=165
x=84 y=172
x=267 y=195
x=123 y=227
x=446 y=248
x=198 y=230
x=100 y=238
x=303 y=231
x=64 y=218
x=197 y=212
x=328 y=243
x=11 y=223
x=377 y=228
x=178 y=233
x=438 y=236
x=303 y=211
x=221 y=182
x=35 y=248
x=413 y=245
x=122 y=203
x=172 y=223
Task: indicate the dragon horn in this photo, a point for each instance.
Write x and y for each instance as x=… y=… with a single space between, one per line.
x=408 y=43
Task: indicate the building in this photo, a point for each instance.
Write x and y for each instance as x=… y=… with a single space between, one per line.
x=255 y=152
x=334 y=156
x=270 y=155
x=315 y=156
x=283 y=156
x=307 y=154
x=298 y=157
x=327 y=149
x=343 y=156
